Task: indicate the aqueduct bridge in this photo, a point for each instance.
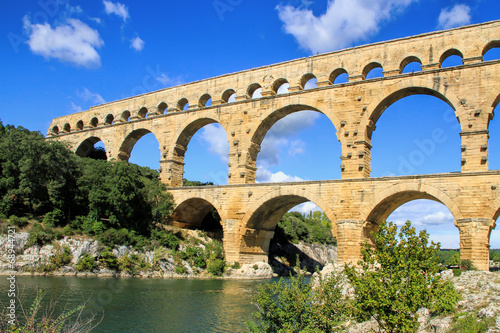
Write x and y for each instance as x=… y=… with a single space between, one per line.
x=356 y=203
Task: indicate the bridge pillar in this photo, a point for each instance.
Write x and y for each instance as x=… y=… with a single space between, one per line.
x=231 y=240
x=474 y=150
x=356 y=156
x=349 y=239
x=474 y=240
x=255 y=245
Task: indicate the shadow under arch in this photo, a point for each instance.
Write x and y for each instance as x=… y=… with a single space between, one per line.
x=198 y=213
x=130 y=140
x=85 y=148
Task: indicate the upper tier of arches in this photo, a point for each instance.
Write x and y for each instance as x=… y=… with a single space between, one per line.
x=429 y=51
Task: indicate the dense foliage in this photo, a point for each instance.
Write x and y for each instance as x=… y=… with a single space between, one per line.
x=312 y=228
x=117 y=202
x=398 y=277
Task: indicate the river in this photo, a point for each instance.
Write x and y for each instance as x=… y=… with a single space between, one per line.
x=150 y=305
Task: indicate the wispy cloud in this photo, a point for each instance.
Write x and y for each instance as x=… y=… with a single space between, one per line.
x=344 y=22
x=88 y=96
x=75 y=108
x=74 y=42
x=266 y=176
x=454 y=17
x=216 y=138
x=137 y=43
x=117 y=8
x=422 y=213
x=166 y=80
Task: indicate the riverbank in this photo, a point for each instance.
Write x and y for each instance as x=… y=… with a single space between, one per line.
x=197 y=256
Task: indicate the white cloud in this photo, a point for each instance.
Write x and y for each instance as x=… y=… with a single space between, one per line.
x=89 y=96
x=166 y=80
x=137 y=43
x=75 y=108
x=73 y=42
x=344 y=22
x=280 y=137
x=216 y=137
x=422 y=213
x=457 y=16
x=265 y=176
x=116 y=8
x=306 y=208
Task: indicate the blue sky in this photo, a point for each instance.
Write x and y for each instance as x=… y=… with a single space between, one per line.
x=63 y=56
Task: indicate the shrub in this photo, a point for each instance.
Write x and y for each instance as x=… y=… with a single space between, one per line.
x=67 y=231
x=131 y=264
x=86 y=263
x=216 y=267
x=40 y=235
x=62 y=258
x=19 y=222
x=398 y=277
x=108 y=259
x=470 y=324
x=467 y=265
x=165 y=238
x=53 y=218
x=236 y=265
x=180 y=269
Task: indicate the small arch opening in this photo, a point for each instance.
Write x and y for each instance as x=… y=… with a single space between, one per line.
x=280 y=86
x=492 y=51
x=229 y=96
x=162 y=108
x=410 y=65
x=372 y=71
x=94 y=122
x=451 y=58
x=93 y=148
x=205 y=100
x=109 y=119
x=125 y=115
x=143 y=113
x=339 y=76
x=55 y=130
x=183 y=104
x=67 y=128
x=79 y=125
x=198 y=214
x=254 y=91
x=309 y=81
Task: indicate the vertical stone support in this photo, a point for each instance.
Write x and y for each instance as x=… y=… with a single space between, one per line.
x=231 y=240
x=356 y=156
x=474 y=240
x=474 y=150
x=349 y=238
x=254 y=245
x=172 y=172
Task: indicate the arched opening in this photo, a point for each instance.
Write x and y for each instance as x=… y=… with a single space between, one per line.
x=162 y=108
x=494 y=240
x=229 y=96
x=125 y=115
x=254 y=91
x=492 y=51
x=198 y=214
x=109 y=119
x=93 y=148
x=142 y=148
x=55 y=130
x=183 y=104
x=494 y=138
x=339 y=76
x=372 y=71
x=309 y=81
x=79 y=125
x=143 y=113
x=451 y=58
x=67 y=128
x=205 y=100
x=295 y=143
x=418 y=134
x=94 y=122
x=410 y=65
x=203 y=149
x=280 y=86
x=424 y=211
x=285 y=231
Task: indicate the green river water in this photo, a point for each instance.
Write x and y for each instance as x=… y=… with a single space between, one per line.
x=150 y=305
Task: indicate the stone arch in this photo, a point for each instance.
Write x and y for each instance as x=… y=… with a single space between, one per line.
x=203 y=100
x=108 y=120
x=79 y=125
x=143 y=113
x=67 y=128
x=336 y=73
x=277 y=84
x=386 y=201
x=491 y=45
x=368 y=68
x=227 y=94
x=408 y=60
x=84 y=148
x=130 y=140
x=449 y=53
x=306 y=78
x=182 y=103
x=55 y=130
x=162 y=107
x=190 y=213
x=252 y=89
x=395 y=92
x=94 y=122
x=125 y=116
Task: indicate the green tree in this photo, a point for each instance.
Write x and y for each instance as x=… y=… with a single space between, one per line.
x=397 y=277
